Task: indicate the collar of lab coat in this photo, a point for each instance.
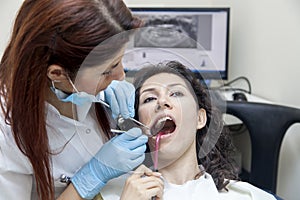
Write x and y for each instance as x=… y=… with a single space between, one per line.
x=56 y=120
x=84 y=136
x=83 y=110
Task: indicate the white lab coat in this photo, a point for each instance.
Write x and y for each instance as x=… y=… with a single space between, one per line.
x=73 y=142
x=202 y=188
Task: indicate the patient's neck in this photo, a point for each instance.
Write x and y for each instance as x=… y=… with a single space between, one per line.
x=182 y=170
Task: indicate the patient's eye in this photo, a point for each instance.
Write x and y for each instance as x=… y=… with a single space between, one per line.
x=148 y=99
x=176 y=94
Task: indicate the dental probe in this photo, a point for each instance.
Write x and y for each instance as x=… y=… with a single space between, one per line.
x=149 y=134
x=132 y=119
x=116 y=131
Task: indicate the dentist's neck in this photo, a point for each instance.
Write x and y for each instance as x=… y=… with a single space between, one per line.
x=66 y=109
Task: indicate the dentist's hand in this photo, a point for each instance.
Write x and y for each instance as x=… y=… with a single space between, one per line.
x=118 y=156
x=120 y=95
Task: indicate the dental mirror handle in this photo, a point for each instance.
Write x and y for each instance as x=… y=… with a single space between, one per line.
x=132 y=119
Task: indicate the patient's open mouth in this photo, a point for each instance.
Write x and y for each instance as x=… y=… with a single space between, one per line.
x=164 y=126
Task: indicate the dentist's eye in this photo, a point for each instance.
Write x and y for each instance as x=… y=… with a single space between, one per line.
x=147 y=100
x=107 y=73
x=176 y=94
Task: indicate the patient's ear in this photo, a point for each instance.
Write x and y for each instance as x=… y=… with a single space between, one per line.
x=201 y=118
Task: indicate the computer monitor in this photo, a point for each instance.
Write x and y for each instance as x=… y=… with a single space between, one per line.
x=197 y=37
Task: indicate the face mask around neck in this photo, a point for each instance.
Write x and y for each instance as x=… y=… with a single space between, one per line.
x=78 y=98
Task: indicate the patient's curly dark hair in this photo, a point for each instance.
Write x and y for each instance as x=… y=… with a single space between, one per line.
x=218 y=161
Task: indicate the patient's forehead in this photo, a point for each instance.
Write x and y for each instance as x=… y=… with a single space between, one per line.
x=164 y=80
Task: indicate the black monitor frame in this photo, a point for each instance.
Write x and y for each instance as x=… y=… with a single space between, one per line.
x=213 y=74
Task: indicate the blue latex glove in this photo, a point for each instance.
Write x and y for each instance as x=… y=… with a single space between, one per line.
x=120 y=95
x=119 y=155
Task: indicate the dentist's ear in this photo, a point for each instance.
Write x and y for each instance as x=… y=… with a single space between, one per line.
x=201 y=118
x=56 y=73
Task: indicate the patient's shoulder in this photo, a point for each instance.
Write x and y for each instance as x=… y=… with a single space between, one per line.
x=238 y=189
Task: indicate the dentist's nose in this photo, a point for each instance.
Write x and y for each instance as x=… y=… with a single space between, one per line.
x=118 y=74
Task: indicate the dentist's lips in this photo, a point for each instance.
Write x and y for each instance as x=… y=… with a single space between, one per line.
x=164 y=125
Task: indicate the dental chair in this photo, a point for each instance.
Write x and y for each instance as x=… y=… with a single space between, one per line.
x=267 y=125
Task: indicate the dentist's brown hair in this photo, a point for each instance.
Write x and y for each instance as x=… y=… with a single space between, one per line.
x=47 y=32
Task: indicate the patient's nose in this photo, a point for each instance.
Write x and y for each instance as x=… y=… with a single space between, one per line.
x=163 y=104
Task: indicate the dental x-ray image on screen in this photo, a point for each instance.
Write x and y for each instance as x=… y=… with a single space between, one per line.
x=168 y=31
x=197 y=37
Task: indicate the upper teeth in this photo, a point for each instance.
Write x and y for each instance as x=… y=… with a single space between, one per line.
x=162 y=120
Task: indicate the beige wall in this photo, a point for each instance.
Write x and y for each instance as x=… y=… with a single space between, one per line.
x=8 y=9
x=264 y=43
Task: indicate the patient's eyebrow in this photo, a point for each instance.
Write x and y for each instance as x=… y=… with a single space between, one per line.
x=148 y=90
x=168 y=86
x=175 y=84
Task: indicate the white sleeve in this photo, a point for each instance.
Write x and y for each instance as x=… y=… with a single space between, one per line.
x=15 y=169
x=114 y=188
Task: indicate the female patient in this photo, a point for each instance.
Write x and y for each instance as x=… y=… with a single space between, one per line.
x=173 y=103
